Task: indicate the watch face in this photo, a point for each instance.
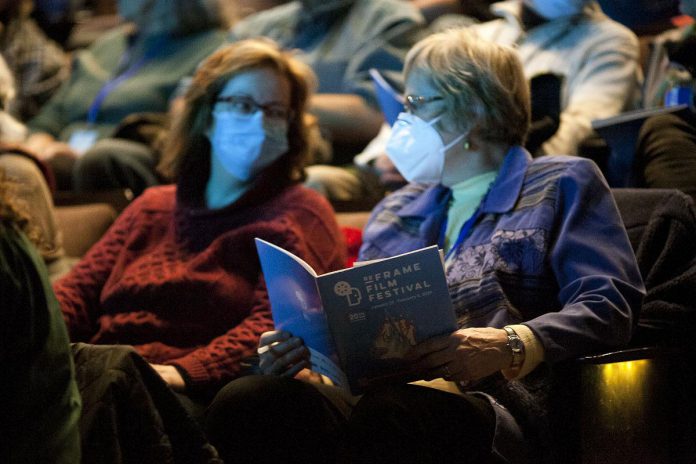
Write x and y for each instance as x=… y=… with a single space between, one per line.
x=516 y=344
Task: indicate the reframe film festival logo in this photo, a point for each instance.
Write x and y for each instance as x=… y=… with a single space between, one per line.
x=388 y=287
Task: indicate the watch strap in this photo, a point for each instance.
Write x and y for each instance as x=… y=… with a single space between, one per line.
x=516 y=347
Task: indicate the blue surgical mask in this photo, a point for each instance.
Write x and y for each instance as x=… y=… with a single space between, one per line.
x=553 y=9
x=246 y=144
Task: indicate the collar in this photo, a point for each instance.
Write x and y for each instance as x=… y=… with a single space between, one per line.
x=433 y=199
x=506 y=189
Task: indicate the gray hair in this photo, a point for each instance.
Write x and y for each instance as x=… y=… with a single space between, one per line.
x=482 y=83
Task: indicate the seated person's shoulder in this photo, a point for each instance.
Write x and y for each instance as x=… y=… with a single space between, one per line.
x=299 y=197
x=387 y=8
x=263 y=23
x=568 y=171
x=599 y=27
x=109 y=38
x=160 y=198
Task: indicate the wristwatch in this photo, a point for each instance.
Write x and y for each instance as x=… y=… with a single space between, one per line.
x=516 y=347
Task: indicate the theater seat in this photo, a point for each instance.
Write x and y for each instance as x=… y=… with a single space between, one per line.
x=83 y=225
x=637 y=404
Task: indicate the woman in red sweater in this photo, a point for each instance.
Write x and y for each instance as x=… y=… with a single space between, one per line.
x=177 y=276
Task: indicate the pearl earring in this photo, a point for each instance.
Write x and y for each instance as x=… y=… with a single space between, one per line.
x=467 y=145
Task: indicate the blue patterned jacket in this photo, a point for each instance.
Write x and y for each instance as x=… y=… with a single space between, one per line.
x=548 y=250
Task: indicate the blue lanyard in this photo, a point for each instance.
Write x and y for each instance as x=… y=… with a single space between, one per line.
x=463 y=233
x=110 y=85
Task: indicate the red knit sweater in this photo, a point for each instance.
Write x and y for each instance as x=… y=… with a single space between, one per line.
x=183 y=285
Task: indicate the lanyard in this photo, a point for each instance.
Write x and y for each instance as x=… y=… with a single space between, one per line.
x=111 y=85
x=463 y=233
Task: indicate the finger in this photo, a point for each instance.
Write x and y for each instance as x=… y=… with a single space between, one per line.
x=273 y=336
x=429 y=346
x=277 y=349
x=280 y=365
x=294 y=370
x=445 y=371
x=434 y=360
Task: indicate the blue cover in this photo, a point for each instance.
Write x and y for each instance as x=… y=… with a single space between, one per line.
x=390 y=102
x=377 y=311
x=372 y=313
x=296 y=306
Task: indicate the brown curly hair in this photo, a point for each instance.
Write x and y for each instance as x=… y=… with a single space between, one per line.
x=12 y=213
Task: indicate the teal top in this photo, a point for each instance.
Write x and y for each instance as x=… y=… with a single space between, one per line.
x=39 y=399
x=466 y=196
x=167 y=60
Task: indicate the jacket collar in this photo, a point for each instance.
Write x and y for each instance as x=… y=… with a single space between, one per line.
x=507 y=186
x=501 y=198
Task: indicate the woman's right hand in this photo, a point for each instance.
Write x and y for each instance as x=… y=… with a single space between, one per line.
x=282 y=354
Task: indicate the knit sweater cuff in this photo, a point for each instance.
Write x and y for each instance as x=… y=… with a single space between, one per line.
x=196 y=373
x=533 y=349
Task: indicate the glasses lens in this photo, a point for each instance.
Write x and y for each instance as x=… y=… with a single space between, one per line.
x=243 y=105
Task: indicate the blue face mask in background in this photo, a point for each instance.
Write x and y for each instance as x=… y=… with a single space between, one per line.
x=246 y=144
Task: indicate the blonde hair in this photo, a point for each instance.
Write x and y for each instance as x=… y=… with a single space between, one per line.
x=482 y=83
x=187 y=149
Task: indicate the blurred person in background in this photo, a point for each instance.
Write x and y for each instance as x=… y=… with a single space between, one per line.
x=39 y=66
x=597 y=58
x=132 y=69
x=341 y=40
x=666 y=147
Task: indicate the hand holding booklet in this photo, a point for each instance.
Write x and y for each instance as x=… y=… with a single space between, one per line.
x=358 y=323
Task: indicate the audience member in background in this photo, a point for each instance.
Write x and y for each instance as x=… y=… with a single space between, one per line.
x=177 y=275
x=596 y=57
x=432 y=9
x=666 y=148
x=537 y=258
x=341 y=40
x=132 y=69
x=38 y=64
x=247 y=7
x=39 y=399
x=31 y=177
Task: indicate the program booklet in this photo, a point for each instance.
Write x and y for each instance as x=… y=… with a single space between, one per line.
x=359 y=322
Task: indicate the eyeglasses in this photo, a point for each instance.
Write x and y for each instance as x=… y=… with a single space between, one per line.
x=244 y=105
x=414 y=103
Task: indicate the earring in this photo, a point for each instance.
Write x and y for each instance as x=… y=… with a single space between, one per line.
x=467 y=145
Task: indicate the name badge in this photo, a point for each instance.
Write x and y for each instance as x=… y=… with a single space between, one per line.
x=82 y=140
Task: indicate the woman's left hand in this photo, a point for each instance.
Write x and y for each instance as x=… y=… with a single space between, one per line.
x=464 y=356
x=171 y=376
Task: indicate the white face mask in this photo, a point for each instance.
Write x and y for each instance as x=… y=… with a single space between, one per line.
x=553 y=9
x=246 y=144
x=417 y=150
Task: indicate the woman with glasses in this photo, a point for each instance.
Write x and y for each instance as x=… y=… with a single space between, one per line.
x=177 y=276
x=539 y=269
